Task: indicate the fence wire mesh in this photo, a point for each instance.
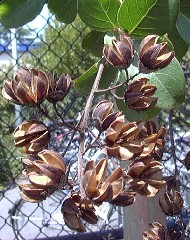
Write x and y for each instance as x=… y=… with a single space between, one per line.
x=51 y=46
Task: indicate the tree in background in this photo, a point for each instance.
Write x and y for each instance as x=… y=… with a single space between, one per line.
x=61 y=49
x=9 y=165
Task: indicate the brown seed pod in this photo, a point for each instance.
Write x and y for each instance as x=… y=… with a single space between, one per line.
x=29 y=87
x=153 y=55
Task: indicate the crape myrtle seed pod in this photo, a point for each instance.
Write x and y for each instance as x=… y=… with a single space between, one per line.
x=103 y=115
x=58 y=88
x=153 y=55
x=32 y=136
x=139 y=95
x=121 y=53
x=29 y=87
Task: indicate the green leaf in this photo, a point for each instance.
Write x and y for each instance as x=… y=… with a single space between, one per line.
x=64 y=10
x=100 y=15
x=14 y=14
x=170 y=83
x=170 y=91
x=185 y=8
x=144 y=17
x=183 y=21
x=132 y=115
x=94 y=43
x=83 y=84
x=183 y=27
x=179 y=45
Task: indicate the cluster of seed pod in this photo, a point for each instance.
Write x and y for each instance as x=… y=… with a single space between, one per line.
x=139 y=142
x=152 y=56
x=30 y=87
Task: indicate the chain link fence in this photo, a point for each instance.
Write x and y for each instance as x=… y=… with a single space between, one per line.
x=50 y=46
x=47 y=45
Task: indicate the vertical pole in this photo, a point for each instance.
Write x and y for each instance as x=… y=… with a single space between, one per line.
x=18 y=108
x=139 y=215
x=143 y=212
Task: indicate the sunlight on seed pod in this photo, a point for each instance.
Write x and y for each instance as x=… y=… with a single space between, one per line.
x=29 y=87
x=31 y=193
x=46 y=173
x=152 y=138
x=75 y=209
x=142 y=171
x=49 y=171
x=98 y=186
x=120 y=139
x=103 y=115
x=157 y=232
x=32 y=136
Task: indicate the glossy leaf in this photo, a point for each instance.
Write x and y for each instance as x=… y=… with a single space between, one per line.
x=14 y=14
x=94 y=43
x=100 y=15
x=144 y=17
x=64 y=10
x=83 y=84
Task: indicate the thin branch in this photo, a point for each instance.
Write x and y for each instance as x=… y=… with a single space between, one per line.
x=109 y=89
x=83 y=124
x=117 y=97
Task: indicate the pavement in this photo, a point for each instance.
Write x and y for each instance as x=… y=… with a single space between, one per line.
x=33 y=222
x=7 y=201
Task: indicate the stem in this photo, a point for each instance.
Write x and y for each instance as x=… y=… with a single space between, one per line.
x=83 y=124
x=117 y=97
x=127 y=74
x=117 y=86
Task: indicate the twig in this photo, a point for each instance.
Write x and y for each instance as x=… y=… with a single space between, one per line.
x=117 y=97
x=71 y=139
x=109 y=89
x=83 y=124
